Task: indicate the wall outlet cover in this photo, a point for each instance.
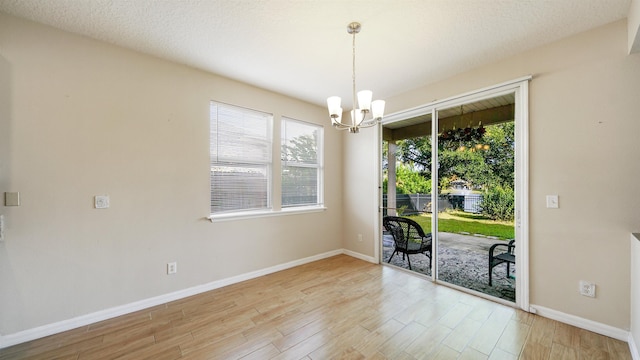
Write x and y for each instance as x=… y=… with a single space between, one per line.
x=587 y=288
x=12 y=199
x=552 y=202
x=172 y=268
x=102 y=201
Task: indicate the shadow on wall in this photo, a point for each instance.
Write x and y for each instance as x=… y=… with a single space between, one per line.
x=5 y=127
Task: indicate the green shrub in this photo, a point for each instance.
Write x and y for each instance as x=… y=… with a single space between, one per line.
x=408 y=181
x=498 y=203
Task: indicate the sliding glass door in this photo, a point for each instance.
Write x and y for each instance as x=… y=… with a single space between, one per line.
x=457 y=169
x=407 y=186
x=475 y=187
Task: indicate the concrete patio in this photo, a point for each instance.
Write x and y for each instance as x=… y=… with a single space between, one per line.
x=463 y=260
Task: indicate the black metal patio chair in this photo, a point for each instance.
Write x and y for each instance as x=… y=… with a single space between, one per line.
x=408 y=237
x=506 y=256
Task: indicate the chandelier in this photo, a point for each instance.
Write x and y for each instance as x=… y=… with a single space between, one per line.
x=368 y=113
x=461 y=139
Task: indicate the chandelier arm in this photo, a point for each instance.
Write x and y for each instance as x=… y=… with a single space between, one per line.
x=341 y=126
x=364 y=123
x=369 y=123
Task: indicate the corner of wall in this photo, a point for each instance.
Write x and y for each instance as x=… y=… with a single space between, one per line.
x=633 y=27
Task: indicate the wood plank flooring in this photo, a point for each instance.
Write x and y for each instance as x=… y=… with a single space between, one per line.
x=337 y=308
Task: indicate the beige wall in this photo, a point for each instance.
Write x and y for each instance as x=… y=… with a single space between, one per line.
x=360 y=184
x=81 y=118
x=584 y=128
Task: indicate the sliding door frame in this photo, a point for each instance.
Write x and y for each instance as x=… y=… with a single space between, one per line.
x=519 y=87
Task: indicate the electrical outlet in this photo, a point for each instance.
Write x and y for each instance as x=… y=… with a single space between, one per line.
x=172 y=268
x=360 y=237
x=587 y=288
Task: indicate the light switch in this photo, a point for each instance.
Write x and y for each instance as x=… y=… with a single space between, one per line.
x=552 y=202
x=102 y=201
x=12 y=199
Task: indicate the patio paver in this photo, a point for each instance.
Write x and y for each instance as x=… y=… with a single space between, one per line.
x=463 y=261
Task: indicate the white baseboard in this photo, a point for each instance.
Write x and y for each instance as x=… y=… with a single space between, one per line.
x=84 y=320
x=360 y=256
x=633 y=348
x=596 y=327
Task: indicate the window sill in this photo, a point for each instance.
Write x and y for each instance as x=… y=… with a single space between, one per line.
x=266 y=213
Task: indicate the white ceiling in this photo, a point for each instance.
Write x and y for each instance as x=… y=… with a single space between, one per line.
x=301 y=47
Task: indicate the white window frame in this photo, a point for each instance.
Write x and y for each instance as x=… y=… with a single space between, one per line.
x=231 y=161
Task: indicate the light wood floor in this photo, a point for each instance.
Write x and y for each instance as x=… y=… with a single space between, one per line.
x=341 y=308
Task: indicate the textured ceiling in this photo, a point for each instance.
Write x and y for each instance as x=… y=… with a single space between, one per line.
x=301 y=47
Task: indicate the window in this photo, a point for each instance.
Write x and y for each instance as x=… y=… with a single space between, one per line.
x=240 y=147
x=301 y=154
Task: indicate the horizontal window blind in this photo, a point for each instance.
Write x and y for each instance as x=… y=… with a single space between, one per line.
x=240 y=151
x=301 y=155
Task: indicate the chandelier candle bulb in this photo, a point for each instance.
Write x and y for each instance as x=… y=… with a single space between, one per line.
x=364 y=99
x=333 y=103
x=377 y=109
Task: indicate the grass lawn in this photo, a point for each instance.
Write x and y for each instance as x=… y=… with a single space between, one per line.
x=458 y=221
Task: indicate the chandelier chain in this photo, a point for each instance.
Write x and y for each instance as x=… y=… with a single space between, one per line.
x=353 y=74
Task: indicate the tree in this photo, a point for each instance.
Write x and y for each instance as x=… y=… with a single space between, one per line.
x=466 y=165
x=416 y=151
x=500 y=157
x=301 y=149
x=490 y=163
x=299 y=182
